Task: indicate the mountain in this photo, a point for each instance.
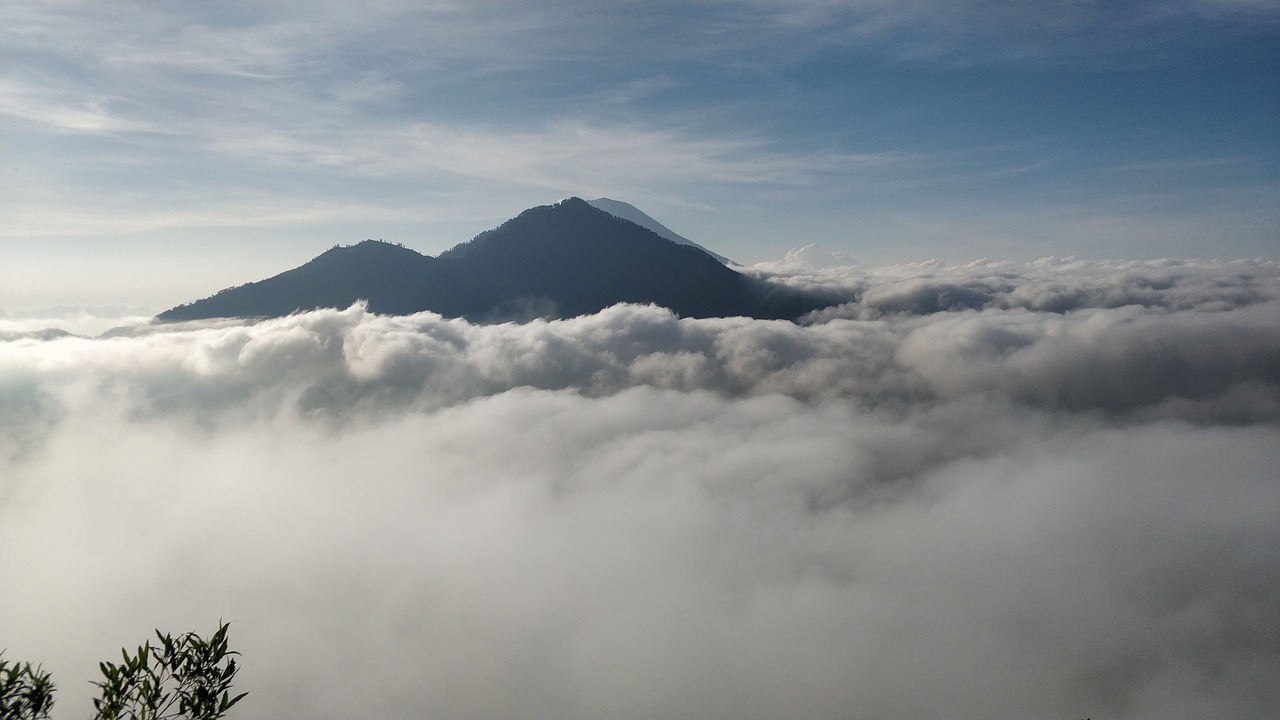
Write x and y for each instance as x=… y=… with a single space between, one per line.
x=627 y=211
x=557 y=260
x=392 y=279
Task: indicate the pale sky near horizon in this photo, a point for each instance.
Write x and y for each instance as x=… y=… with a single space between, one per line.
x=151 y=154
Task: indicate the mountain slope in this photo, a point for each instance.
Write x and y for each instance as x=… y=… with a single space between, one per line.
x=394 y=280
x=627 y=211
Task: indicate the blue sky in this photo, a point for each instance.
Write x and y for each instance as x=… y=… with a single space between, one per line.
x=153 y=153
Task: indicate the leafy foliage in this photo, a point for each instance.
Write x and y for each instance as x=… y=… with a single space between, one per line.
x=26 y=693
x=185 y=677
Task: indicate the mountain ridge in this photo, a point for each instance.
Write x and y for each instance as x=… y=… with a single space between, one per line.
x=560 y=260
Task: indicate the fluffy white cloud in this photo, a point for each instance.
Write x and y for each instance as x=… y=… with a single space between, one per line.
x=1056 y=285
x=991 y=512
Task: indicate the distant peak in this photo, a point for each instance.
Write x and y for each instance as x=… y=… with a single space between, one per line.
x=374 y=245
x=631 y=213
x=576 y=204
x=571 y=203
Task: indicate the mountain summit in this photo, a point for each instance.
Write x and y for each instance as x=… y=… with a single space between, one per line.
x=558 y=260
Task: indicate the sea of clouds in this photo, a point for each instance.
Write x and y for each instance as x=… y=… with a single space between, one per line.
x=985 y=491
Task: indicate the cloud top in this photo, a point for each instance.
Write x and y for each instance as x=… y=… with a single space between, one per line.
x=991 y=510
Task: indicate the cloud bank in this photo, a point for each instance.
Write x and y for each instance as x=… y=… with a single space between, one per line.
x=1049 y=496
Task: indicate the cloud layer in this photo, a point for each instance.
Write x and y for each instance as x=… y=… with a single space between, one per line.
x=1008 y=508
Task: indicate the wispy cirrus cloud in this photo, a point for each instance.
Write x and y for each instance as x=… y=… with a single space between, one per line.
x=968 y=32
x=250 y=92
x=954 y=128
x=75 y=218
x=68 y=111
x=563 y=154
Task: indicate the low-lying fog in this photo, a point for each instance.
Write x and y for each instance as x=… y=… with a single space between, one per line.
x=988 y=491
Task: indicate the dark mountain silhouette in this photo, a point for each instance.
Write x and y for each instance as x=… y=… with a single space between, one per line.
x=552 y=261
x=392 y=279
